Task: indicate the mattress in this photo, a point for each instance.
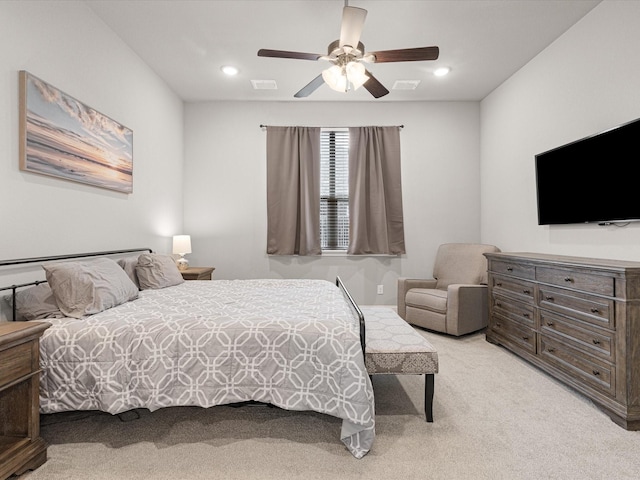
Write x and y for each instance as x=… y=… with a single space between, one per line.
x=291 y=343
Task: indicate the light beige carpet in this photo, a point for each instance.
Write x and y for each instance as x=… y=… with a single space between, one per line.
x=496 y=417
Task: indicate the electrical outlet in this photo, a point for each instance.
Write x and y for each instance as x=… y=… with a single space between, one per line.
x=380 y=289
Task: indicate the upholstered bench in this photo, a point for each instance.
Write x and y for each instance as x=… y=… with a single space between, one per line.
x=394 y=347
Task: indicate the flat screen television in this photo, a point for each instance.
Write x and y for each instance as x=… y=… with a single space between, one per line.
x=594 y=179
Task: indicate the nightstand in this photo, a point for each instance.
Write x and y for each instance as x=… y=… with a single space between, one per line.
x=21 y=447
x=197 y=273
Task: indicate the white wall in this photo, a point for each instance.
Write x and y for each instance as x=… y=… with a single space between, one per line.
x=585 y=82
x=225 y=187
x=66 y=45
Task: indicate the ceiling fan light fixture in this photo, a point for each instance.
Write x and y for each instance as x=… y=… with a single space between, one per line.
x=341 y=78
x=335 y=78
x=356 y=74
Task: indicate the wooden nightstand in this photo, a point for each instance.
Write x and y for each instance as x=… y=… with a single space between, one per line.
x=21 y=447
x=197 y=273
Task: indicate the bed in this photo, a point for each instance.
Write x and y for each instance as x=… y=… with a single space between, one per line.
x=294 y=344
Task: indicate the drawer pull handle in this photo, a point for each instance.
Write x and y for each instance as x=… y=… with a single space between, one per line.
x=596 y=372
x=595 y=310
x=525 y=315
x=498 y=284
x=551 y=350
x=498 y=304
x=549 y=324
x=549 y=299
x=509 y=269
x=596 y=341
x=525 y=338
x=526 y=292
x=568 y=279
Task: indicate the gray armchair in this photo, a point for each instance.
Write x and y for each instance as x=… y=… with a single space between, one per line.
x=455 y=300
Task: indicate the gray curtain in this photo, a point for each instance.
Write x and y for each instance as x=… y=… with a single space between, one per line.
x=376 y=224
x=293 y=191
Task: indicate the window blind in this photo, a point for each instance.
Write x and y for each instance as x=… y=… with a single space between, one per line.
x=334 y=189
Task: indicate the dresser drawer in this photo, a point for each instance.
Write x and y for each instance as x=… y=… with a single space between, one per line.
x=588 y=370
x=511 y=268
x=581 y=335
x=517 y=311
x=515 y=332
x=599 y=284
x=15 y=363
x=512 y=287
x=595 y=310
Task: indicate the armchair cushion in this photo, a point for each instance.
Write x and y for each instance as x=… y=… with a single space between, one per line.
x=406 y=284
x=427 y=298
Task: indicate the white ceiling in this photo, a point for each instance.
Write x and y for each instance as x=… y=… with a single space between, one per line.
x=484 y=42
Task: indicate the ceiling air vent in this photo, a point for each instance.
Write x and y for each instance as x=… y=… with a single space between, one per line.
x=406 y=84
x=264 y=84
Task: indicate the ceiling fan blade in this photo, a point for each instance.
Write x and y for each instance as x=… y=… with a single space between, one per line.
x=352 y=25
x=263 y=52
x=407 y=54
x=311 y=87
x=374 y=87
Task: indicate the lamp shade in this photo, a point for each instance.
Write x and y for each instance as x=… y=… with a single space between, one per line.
x=181 y=244
x=335 y=78
x=356 y=74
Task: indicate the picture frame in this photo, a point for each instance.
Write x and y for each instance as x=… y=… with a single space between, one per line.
x=64 y=138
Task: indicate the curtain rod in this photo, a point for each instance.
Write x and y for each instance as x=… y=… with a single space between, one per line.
x=265 y=126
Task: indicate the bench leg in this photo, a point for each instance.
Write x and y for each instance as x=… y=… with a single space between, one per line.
x=428 y=396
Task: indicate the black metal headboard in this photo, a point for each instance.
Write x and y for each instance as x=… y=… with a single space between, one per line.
x=358 y=312
x=24 y=261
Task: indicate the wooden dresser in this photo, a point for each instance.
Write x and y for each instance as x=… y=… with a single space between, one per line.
x=21 y=447
x=577 y=319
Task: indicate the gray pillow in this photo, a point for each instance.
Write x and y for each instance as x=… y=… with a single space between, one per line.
x=128 y=264
x=157 y=271
x=89 y=287
x=36 y=303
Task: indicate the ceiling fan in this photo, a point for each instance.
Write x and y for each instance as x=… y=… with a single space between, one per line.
x=347 y=54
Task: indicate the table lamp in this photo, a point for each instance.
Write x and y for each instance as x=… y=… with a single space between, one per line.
x=182 y=246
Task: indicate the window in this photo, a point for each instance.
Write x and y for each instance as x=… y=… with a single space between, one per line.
x=354 y=207
x=334 y=189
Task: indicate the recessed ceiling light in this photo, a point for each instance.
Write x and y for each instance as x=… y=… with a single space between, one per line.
x=229 y=70
x=442 y=71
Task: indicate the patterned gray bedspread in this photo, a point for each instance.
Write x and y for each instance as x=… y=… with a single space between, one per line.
x=292 y=343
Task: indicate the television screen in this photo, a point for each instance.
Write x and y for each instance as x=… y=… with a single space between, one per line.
x=594 y=179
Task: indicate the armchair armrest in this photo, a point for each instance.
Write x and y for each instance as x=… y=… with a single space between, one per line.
x=469 y=305
x=405 y=284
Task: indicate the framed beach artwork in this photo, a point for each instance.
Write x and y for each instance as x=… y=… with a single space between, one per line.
x=62 y=137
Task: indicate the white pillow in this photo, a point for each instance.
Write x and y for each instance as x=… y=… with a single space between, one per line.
x=157 y=271
x=89 y=287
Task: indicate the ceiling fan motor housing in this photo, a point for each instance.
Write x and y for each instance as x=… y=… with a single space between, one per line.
x=334 y=50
